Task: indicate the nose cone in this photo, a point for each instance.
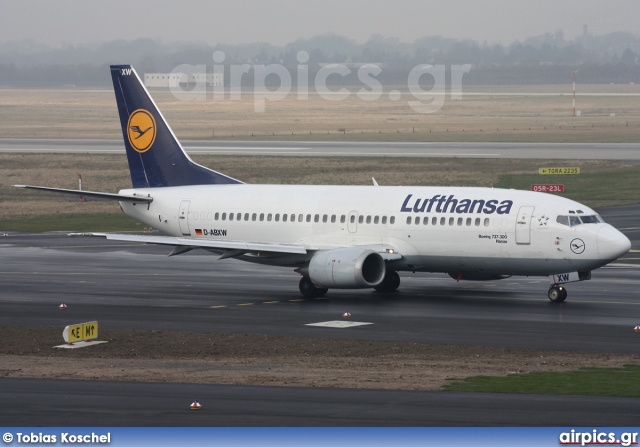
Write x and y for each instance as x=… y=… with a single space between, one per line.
x=611 y=243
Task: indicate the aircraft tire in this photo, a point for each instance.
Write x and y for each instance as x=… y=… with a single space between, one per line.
x=320 y=291
x=307 y=289
x=390 y=283
x=557 y=294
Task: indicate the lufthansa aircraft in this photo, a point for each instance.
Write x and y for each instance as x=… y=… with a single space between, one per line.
x=348 y=237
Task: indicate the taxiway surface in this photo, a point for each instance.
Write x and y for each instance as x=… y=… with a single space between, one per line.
x=131 y=286
x=567 y=151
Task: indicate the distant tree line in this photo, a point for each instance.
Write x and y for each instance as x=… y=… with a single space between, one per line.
x=544 y=59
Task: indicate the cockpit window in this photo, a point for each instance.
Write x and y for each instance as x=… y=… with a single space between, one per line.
x=589 y=219
x=564 y=220
x=572 y=221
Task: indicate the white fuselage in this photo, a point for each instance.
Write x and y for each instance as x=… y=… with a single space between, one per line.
x=435 y=229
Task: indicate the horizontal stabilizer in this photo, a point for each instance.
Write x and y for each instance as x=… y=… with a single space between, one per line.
x=247 y=247
x=98 y=195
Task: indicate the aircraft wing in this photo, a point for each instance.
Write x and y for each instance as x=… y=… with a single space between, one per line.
x=98 y=195
x=231 y=248
x=184 y=244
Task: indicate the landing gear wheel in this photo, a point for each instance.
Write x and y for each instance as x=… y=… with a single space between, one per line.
x=390 y=282
x=309 y=290
x=557 y=294
x=320 y=291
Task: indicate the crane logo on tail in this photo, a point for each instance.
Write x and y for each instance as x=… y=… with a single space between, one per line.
x=141 y=130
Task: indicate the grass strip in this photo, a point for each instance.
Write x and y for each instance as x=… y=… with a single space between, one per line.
x=623 y=381
x=72 y=223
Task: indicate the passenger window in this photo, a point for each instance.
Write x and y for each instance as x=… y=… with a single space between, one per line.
x=460 y=221
x=392 y=220
x=384 y=220
x=443 y=221
x=224 y=216
x=246 y=216
x=230 y=216
x=408 y=220
x=216 y=216
x=486 y=221
x=353 y=218
x=477 y=221
x=468 y=221
x=316 y=218
x=300 y=217
x=434 y=221
x=360 y=219
x=261 y=217
x=451 y=221
x=333 y=218
x=563 y=220
x=239 y=216
x=368 y=219
x=308 y=217
x=376 y=219
x=284 y=217
x=324 y=218
x=254 y=216
x=208 y=216
x=277 y=218
x=343 y=218
x=269 y=217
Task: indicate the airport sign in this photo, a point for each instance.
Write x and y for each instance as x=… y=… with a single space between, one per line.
x=80 y=332
x=548 y=188
x=563 y=171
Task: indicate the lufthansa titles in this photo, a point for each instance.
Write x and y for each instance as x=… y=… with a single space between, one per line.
x=451 y=204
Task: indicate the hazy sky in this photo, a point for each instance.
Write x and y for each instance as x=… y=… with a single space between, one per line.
x=75 y=22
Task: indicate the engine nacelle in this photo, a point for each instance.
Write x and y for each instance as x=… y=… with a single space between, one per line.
x=477 y=276
x=347 y=268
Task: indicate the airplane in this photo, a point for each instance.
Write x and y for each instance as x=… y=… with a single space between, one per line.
x=347 y=237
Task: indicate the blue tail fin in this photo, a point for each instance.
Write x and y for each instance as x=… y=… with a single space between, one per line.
x=156 y=158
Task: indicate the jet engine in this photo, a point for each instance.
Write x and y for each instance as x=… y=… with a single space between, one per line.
x=347 y=268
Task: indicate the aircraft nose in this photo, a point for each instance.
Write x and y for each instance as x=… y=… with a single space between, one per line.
x=611 y=243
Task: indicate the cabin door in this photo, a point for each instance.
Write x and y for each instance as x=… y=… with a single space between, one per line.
x=183 y=217
x=523 y=225
x=352 y=222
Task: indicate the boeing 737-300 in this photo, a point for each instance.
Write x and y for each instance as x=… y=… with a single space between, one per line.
x=348 y=237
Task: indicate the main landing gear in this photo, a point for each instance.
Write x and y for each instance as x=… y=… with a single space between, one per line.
x=309 y=290
x=390 y=282
x=557 y=293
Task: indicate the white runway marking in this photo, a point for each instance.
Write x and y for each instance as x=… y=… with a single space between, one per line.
x=338 y=324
